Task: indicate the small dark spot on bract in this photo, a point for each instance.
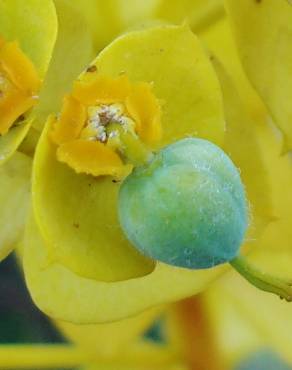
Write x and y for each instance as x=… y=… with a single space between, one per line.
x=91 y=69
x=76 y=225
x=115 y=181
x=161 y=50
x=258 y=1
x=89 y=184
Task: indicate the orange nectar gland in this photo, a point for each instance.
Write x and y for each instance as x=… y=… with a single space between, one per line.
x=107 y=125
x=19 y=85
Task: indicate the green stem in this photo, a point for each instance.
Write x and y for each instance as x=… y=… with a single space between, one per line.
x=135 y=151
x=132 y=148
x=261 y=280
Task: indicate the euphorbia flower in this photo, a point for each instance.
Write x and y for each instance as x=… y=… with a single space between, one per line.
x=85 y=248
x=81 y=299
x=74 y=42
x=25 y=51
x=84 y=235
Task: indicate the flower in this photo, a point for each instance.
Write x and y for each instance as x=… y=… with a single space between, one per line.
x=25 y=52
x=87 y=256
x=104 y=116
x=106 y=256
x=73 y=49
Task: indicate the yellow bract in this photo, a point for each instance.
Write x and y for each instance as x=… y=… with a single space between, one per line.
x=64 y=295
x=72 y=52
x=77 y=216
x=265 y=47
x=243 y=145
x=19 y=84
x=86 y=133
x=112 y=338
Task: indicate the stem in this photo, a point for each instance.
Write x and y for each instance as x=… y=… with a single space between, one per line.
x=130 y=146
x=135 y=151
x=261 y=280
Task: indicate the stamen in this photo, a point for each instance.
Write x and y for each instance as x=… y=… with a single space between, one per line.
x=99 y=118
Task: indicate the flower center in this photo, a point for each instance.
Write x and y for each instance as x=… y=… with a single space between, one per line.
x=103 y=123
x=107 y=125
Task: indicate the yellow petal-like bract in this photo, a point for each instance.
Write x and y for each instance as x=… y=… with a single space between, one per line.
x=72 y=52
x=64 y=295
x=243 y=145
x=109 y=339
x=264 y=44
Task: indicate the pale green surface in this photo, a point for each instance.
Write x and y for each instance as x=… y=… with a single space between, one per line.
x=187 y=207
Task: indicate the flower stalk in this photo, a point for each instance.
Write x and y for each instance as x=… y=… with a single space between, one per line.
x=262 y=280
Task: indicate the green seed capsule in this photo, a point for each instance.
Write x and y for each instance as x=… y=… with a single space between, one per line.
x=187 y=207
